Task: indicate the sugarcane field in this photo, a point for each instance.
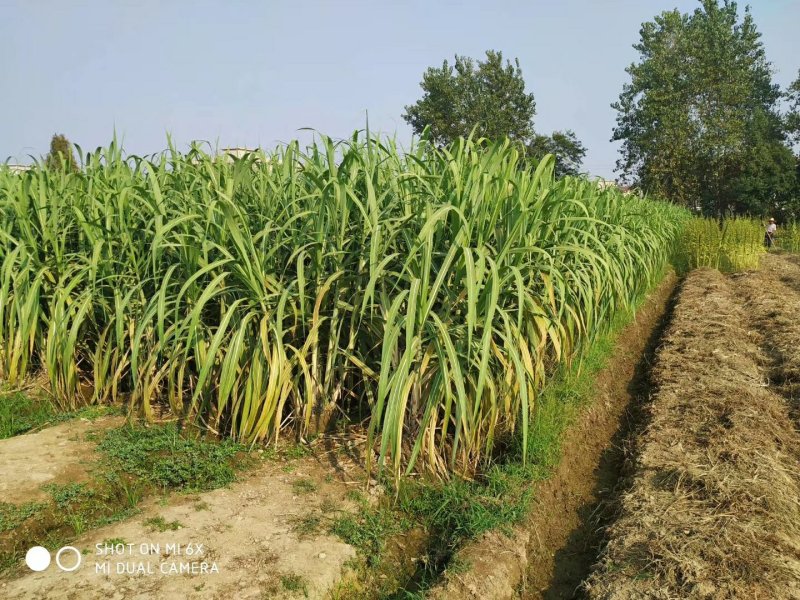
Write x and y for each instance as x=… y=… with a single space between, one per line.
x=447 y=355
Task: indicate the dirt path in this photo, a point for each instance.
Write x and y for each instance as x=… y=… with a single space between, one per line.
x=712 y=508
x=263 y=537
x=574 y=504
x=244 y=542
x=58 y=454
x=595 y=457
x=550 y=554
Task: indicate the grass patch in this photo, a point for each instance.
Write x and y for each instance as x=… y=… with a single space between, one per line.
x=135 y=461
x=304 y=486
x=13 y=515
x=295 y=451
x=368 y=530
x=67 y=494
x=21 y=413
x=161 y=524
x=295 y=583
x=307 y=525
x=73 y=509
x=165 y=458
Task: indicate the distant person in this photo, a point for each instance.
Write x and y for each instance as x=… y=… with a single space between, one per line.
x=769 y=235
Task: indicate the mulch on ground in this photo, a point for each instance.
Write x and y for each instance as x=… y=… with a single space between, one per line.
x=713 y=510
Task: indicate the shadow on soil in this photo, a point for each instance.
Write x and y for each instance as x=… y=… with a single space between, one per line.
x=574 y=561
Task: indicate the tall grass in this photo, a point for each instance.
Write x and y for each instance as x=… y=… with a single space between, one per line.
x=433 y=289
x=788 y=237
x=735 y=245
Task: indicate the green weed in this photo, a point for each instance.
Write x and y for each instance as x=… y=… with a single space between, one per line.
x=307 y=525
x=295 y=583
x=13 y=515
x=163 y=457
x=304 y=486
x=368 y=531
x=162 y=525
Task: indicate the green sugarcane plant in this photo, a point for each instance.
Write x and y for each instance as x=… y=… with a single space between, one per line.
x=432 y=290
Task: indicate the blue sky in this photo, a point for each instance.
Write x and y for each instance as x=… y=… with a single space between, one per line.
x=253 y=73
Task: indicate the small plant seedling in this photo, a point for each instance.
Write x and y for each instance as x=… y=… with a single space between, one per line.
x=295 y=583
x=304 y=486
x=307 y=525
x=296 y=451
x=160 y=524
x=78 y=522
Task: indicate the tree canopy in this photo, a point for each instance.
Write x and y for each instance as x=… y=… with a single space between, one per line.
x=488 y=98
x=699 y=120
x=61 y=154
x=793 y=116
x=565 y=146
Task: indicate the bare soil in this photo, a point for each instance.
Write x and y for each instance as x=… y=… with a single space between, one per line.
x=712 y=510
x=263 y=537
x=59 y=454
x=549 y=554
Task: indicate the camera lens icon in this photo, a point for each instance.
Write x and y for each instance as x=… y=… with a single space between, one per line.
x=69 y=567
x=38 y=558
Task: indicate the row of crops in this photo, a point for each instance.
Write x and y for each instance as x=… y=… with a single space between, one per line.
x=734 y=244
x=730 y=246
x=430 y=291
x=788 y=237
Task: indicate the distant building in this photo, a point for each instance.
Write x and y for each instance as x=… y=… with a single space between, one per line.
x=237 y=152
x=260 y=157
x=604 y=184
x=627 y=190
x=19 y=169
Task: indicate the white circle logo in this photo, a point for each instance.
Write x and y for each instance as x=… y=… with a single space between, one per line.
x=58 y=558
x=37 y=558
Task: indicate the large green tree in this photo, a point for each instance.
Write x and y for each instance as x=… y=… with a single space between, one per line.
x=699 y=121
x=489 y=98
x=793 y=117
x=564 y=145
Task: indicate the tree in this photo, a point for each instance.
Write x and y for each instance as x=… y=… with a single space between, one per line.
x=699 y=102
x=61 y=154
x=489 y=96
x=566 y=147
x=767 y=182
x=793 y=117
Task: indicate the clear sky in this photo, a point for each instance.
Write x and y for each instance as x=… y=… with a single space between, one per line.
x=252 y=73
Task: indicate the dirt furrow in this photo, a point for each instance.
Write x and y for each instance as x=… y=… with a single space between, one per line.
x=549 y=554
